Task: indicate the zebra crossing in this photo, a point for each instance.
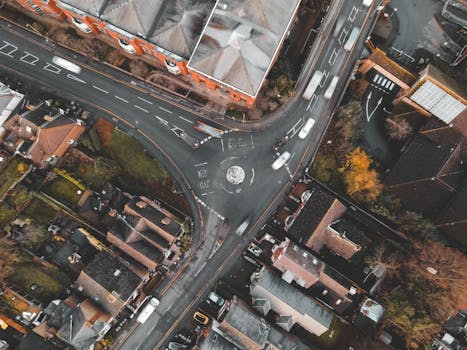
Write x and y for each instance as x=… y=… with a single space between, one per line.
x=383 y=84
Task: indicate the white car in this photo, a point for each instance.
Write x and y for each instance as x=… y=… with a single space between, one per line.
x=306 y=128
x=281 y=160
x=254 y=249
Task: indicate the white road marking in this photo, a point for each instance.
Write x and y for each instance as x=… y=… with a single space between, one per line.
x=100 y=89
x=72 y=77
x=51 y=68
x=379 y=79
x=165 y=109
x=121 y=99
x=208 y=208
x=252 y=142
x=353 y=14
x=388 y=84
x=141 y=109
x=370 y=115
x=296 y=128
x=187 y=120
x=162 y=120
x=205 y=194
x=343 y=35
x=375 y=78
x=324 y=78
x=32 y=62
x=384 y=82
x=222 y=144
x=333 y=57
x=7 y=44
x=312 y=103
x=252 y=176
x=391 y=87
x=200 y=164
x=144 y=100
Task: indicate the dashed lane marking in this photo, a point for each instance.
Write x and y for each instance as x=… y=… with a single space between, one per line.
x=187 y=120
x=208 y=208
x=201 y=164
x=165 y=110
x=6 y=45
x=144 y=100
x=100 y=89
x=121 y=99
x=141 y=109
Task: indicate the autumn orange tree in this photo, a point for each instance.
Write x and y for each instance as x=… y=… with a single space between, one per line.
x=361 y=181
x=8 y=257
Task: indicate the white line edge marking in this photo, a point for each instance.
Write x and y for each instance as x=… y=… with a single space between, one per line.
x=200 y=164
x=72 y=77
x=121 y=99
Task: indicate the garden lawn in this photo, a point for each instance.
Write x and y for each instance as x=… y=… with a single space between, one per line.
x=40 y=212
x=64 y=191
x=9 y=175
x=134 y=162
x=47 y=287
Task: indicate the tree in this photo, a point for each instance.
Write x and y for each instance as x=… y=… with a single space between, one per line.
x=8 y=257
x=106 y=168
x=361 y=182
x=398 y=128
x=138 y=68
x=417 y=226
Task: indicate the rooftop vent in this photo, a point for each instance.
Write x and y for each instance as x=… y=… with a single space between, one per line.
x=117 y=272
x=166 y=221
x=315 y=261
x=141 y=204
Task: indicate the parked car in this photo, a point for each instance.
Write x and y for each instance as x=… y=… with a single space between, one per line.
x=216 y=298
x=201 y=318
x=254 y=249
x=176 y=346
x=306 y=128
x=243 y=226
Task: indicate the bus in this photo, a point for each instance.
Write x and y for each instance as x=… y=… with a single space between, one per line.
x=148 y=310
x=68 y=65
x=207 y=129
x=331 y=87
x=313 y=85
x=349 y=44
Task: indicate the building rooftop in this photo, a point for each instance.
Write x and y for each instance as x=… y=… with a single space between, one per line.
x=93 y=7
x=240 y=41
x=114 y=276
x=9 y=102
x=311 y=213
x=291 y=296
x=152 y=213
x=215 y=341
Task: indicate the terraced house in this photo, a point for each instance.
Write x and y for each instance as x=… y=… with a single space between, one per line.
x=230 y=46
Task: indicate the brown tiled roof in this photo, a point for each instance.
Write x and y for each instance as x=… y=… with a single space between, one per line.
x=379 y=57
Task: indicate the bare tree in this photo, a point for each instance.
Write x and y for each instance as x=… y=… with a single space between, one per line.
x=398 y=128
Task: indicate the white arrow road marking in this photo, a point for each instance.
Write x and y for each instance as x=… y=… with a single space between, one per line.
x=51 y=68
x=162 y=121
x=72 y=77
x=29 y=58
x=370 y=115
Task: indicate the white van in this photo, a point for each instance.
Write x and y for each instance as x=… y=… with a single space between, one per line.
x=315 y=81
x=148 y=310
x=306 y=128
x=281 y=160
x=331 y=87
x=68 y=65
x=243 y=226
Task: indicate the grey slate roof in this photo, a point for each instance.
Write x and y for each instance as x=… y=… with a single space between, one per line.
x=240 y=41
x=102 y=270
x=291 y=296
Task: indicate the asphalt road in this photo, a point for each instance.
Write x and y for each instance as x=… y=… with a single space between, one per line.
x=202 y=172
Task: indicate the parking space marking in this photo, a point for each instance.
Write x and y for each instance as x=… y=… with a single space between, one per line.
x=324 y=78
x=312 y=103
x=343 y=35
x=165 y=110
x=100 y=89
x=353 y=14
x=333 y=57
x=296 y=128
x=7 y=44
x=144 y=100
x=51 y=68
x=187 y=120
x=121 y=99
x=29 y=58
x=201 y=164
